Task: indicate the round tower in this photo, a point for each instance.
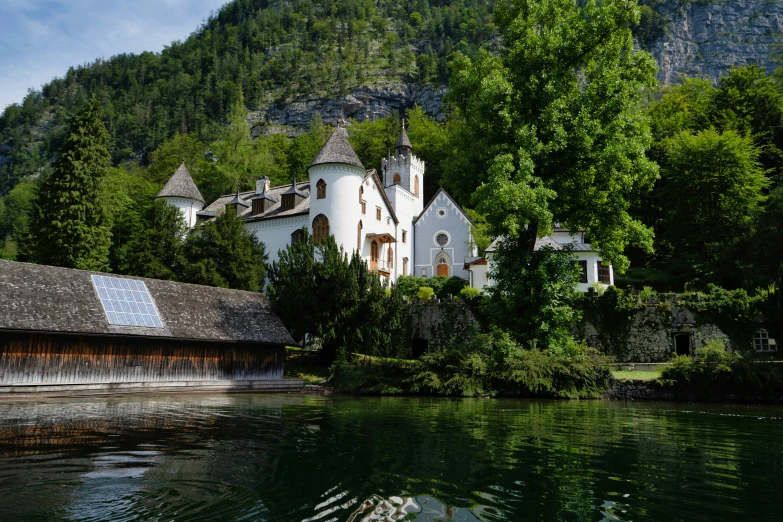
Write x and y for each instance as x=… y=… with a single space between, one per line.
x=336 y=176
x=181 y=192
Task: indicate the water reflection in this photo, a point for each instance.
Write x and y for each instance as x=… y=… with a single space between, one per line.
x=292 y=458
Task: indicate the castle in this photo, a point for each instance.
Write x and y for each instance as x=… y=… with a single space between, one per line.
x=383 y=216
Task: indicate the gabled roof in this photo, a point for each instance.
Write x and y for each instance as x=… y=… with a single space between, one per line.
x=337 y=150
x=403 y=141
x=294 y=190
x=434 y=198
x=181 y=185
x=187 y=311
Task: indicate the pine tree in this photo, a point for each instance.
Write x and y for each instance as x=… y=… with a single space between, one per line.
x=72 y=229
x=223 y=253
x=157 y=248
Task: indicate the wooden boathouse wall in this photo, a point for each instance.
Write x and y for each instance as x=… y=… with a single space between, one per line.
x=44 y=358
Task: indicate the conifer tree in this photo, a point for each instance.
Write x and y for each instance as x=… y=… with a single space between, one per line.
x=70 y=223
x=156 y=249
x=224 y=253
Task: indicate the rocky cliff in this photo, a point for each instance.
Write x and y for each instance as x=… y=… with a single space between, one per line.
x=705 y=38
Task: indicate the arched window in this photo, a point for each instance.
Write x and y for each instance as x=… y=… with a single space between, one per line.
x=374 y=255
x=320 y=228
x=404 y=266
x=397 y=179
x=320 y=189
x=361 y=194
x=443 y=265
x=359 y=237
x=416 y=186
x=297 y=236
x=390 y=258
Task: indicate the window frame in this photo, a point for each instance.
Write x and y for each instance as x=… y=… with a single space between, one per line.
x=320 y=189
x=378 y=213
x=604 y=273
x=761 y=339
x=288 y=202
x=320 y=230
x=404 y=236
x=583 y=271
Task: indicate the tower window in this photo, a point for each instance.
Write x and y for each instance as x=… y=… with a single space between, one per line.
x=361 y=195
x=416 y=186
x=320 y=189
x=359 y=237
x=320 y=228
x=404 y=236
x=397 y=179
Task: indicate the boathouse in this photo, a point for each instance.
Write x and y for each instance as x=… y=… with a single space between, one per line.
x=64 y=330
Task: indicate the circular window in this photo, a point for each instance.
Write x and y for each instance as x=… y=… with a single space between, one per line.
x=442 y=239
x=442 y=212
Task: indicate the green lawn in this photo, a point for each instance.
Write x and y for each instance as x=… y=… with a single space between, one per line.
x=635 y=376
x=304 y=364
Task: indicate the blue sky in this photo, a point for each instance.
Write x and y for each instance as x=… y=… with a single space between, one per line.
x=40 y=39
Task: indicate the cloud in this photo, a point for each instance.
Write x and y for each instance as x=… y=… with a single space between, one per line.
x=41 y=39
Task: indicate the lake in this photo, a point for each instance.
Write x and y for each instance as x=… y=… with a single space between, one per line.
x=327 y=459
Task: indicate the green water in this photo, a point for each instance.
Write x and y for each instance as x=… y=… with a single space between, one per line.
x=295 y=458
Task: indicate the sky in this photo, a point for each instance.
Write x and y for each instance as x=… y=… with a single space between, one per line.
x=40 y=39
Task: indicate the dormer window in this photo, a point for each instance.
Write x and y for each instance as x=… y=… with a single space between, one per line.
x=320 y=189
x=258 y=206
x=288 y=202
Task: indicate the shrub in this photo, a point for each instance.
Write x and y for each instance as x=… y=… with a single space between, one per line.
x=425 y=293
x=715 y=371
x=470 y=294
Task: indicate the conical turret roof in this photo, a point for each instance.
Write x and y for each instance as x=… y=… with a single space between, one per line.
x=403 y=141
x=181 y=185
x=337 y=150
x=238 y=200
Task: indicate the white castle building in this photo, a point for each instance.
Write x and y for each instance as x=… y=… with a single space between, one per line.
x=383 y=216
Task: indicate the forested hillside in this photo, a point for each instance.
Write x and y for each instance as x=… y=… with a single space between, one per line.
x=268 y=52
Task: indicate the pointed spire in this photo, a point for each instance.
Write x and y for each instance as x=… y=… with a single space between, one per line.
x=181 y=185
x=337 y=150
x=403 y=142
x=238 y=200
x=295 y=190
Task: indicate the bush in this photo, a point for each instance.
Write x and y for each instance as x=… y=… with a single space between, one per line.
x=714 y=371
x=425 y=293
x=470 y=294
x=483 y=365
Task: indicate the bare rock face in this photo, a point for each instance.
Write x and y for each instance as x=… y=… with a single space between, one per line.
x=361 y=104
x=706 y=38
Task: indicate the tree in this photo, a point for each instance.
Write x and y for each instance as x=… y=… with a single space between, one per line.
x=156 y=249
x=714 y=195
x=224 y=253
x=70 y=223
x=551 y=131
x=15 y=210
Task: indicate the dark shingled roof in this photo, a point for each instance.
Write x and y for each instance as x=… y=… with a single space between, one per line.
x=52 y=299
x=274 y=211
x=294 y=190
x=239 y=201
x=181 y=185
x=404 y=141
x=337 y=150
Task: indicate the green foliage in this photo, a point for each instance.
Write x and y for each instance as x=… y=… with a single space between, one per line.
x=318 y=292
x=267 y=53
x=156 y=249
x=733 y=311
x=482 y=365
x=724 y=184
x=15 y=211
x=652 y=23
x=551 y=130
x=611 y=314
x=470 y=294
x=425 y=293
x=70 y=225
x=533 y=299
x=441 y=286
x=224 y=253
x=716 y=372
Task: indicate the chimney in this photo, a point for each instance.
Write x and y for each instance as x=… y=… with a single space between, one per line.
x=262 y=185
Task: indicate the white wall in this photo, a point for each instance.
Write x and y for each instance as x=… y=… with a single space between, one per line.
x=276 y=233
x=187 y=207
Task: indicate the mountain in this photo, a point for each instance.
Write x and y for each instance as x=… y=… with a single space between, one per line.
x=291 y=59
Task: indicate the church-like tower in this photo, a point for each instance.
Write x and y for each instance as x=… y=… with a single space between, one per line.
x=404 y=170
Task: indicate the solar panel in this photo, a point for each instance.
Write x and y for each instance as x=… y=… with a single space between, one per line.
x=127 y=302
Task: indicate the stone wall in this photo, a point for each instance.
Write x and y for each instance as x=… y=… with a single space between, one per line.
x=438 y=320
x=650 y=335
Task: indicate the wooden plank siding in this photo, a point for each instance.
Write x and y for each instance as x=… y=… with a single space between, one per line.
x=40 y=358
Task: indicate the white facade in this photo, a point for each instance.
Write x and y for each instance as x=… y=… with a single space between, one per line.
x=594 y=272
x=187 y=207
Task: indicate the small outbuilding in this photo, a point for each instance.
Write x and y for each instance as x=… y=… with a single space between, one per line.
x=65 y=330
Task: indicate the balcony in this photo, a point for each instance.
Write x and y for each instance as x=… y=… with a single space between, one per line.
x=381 y=267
